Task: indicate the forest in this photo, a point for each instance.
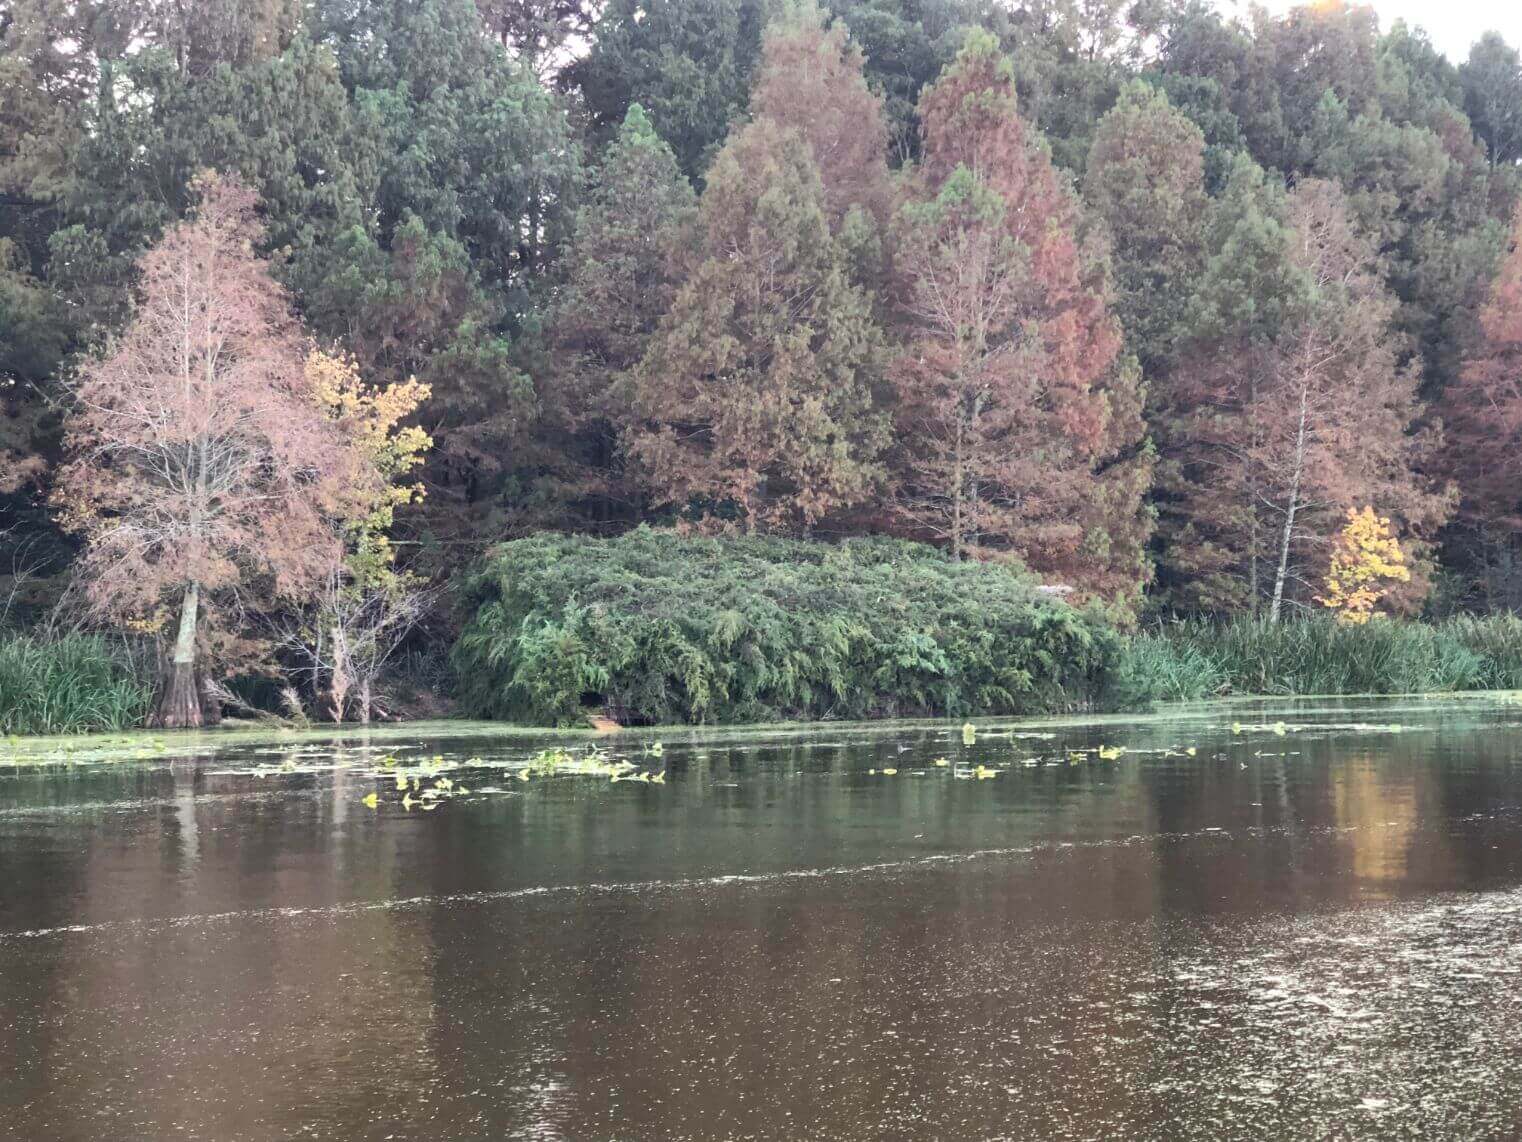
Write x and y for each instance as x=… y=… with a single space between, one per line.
x=314 y=312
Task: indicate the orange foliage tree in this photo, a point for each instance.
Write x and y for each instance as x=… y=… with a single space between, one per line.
x=1007 y=418
x=203 y=467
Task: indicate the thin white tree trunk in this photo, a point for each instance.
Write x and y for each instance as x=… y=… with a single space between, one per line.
x=1282 y=572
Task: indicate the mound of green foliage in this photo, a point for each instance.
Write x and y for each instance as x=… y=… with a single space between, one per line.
x=1318 y=655
x=664 y=628
x=69 y=685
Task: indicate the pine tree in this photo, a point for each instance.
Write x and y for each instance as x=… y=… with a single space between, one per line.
x=688 y=63
x=1492 y=81
x=1146 y=181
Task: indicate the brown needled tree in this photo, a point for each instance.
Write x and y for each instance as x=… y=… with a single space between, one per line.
x=1004 y=419
x=201 y=462
x=1482 y=412
x=1283 y=434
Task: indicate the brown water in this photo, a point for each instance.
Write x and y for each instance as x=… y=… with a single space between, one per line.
x=1305 y=930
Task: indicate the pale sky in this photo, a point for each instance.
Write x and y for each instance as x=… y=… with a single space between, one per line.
x=1453 y=25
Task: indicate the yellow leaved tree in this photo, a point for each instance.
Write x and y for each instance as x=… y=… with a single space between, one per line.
x=372 y=417
x=368 y=607
x=1366 y=559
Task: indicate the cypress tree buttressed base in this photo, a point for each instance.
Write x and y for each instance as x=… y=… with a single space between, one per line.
x=179 y=704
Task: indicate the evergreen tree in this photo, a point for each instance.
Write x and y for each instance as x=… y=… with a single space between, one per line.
x=1145 y=180
x=621 y=281
x=688 y=63
x=1492 y=83
x=754 y=401
x=905 y=44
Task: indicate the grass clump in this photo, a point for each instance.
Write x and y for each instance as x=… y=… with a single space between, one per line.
x=69 y=685
x=1318 y=655
x=665 y=628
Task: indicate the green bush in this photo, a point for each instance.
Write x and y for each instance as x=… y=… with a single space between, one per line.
x=1317 y=655
x=69 y=685
x=668 y=628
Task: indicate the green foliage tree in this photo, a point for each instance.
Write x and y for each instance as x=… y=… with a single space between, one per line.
x=1492 y=85
x=755 y=398
x=621 y=279
x=1145 y=180
x=905 y=43
x=686 y=62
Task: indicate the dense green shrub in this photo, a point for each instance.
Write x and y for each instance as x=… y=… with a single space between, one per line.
x=670 y=628
x=1320 y=656
x=69 y=685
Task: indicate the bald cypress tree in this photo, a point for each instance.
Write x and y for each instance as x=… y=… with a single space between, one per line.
x=1011 y=402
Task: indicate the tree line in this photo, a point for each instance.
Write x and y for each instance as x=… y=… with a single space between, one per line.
x=1145 y=297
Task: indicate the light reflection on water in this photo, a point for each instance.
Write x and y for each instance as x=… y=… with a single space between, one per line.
x=1303 y=930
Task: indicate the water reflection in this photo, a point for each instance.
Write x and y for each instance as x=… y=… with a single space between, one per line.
x=1287 y=934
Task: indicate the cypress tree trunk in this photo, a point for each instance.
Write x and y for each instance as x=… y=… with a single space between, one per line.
x=179 y=705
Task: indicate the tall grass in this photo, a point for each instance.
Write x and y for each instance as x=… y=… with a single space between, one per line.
x=70 y=685
x=1196 y=659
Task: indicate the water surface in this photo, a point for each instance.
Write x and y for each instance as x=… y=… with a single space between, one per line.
x=1261 y=920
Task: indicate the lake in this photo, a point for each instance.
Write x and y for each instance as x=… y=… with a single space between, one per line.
x=1287 y=919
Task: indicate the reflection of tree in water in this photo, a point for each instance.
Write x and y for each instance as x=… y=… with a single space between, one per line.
x=216 y=1025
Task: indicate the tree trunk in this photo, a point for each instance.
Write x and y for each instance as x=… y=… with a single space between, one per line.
x=338 y=690
x=956 y=499
x=179 y=705
x=971 y=513
x=1254 y=591
x=364 y=701
x=1282 y=572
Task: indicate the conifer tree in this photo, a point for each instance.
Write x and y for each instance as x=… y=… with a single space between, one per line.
x=621 y=281
x=1482 y=420
x=1288 y=416
x=688 y=63
x=1146 y=181
x=811 y=81
x=754 y=401
x=1003 y=414
x=203 y=463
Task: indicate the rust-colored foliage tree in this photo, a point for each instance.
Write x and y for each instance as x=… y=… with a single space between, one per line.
x=811 y=81
x=1005 y=421
x=202 y=467
x=1482 y=412
x=1283 y=433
